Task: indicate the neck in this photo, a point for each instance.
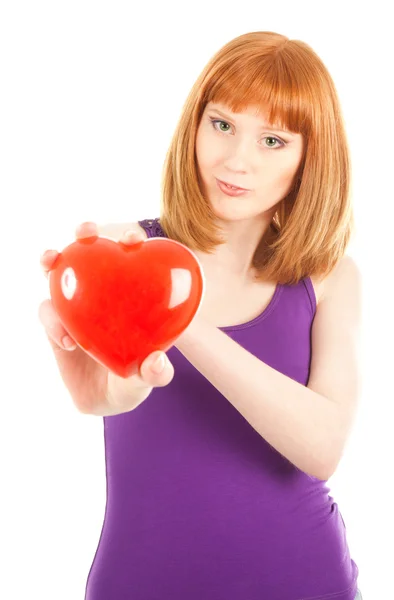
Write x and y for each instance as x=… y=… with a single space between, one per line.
x=234 y=257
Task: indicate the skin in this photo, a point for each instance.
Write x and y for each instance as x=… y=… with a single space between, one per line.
x=242 y=151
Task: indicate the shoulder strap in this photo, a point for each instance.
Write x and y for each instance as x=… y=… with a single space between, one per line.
x=311 y=293
x=152 y=227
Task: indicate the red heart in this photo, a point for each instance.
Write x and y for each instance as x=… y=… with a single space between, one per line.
x=121 y=302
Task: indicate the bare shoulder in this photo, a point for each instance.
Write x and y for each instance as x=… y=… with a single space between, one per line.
x=317 y=283
x=115 y=230
x=345 y=278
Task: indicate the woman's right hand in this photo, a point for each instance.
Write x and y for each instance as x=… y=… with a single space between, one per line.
x=93 y=388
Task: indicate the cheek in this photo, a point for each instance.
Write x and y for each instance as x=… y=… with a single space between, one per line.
x=282 y=171
x=290 y=172
x=208 y=154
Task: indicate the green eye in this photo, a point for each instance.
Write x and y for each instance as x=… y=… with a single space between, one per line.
x=268 y=137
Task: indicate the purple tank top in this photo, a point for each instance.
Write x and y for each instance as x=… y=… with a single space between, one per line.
x=200 y=506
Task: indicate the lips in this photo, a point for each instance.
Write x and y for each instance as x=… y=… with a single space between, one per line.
x=229 y=191
x=234 y=186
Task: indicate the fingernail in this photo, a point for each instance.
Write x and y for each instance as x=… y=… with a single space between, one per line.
x=130 y=234
x=159 y=364
x=68 y=343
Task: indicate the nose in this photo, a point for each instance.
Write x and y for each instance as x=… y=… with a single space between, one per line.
x=239 y=158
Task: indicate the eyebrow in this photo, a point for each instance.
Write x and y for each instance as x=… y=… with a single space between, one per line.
x=263 y=126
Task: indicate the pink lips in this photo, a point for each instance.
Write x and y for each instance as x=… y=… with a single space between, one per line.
x=236 y=186
x=229 y=191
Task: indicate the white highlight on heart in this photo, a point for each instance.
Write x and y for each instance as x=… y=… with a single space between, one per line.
x=68 y=283
x=181 y=280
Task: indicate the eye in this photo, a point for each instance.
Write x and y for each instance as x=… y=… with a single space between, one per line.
x=268 y=137
x=214 y=121
x=272 y=137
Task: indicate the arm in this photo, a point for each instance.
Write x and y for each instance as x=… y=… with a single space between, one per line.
x=310 y=424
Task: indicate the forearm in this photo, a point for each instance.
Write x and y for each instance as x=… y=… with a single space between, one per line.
x=295 y=420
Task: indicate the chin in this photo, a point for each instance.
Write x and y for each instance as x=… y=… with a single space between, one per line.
x=235 y=211
x=230 y=213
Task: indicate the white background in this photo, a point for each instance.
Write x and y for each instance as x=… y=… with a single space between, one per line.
x=90 y=96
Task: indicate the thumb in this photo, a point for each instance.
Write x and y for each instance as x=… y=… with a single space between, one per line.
x=157 y=370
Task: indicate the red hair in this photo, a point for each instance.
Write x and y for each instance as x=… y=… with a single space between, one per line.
x=312 y=226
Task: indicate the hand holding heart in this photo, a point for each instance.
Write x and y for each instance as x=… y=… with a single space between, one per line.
x=124 y=303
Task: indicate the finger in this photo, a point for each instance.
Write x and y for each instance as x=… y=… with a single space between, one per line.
x=86 y=229
x=131 y=236
x=53 y=326
x=47 y=260
x=156 y=373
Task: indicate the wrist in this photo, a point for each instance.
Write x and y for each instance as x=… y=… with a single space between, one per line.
x=190 y=333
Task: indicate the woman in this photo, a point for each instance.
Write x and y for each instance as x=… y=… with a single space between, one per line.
x=217 y=465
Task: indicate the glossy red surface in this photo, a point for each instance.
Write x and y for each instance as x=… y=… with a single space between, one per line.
x=121 y=302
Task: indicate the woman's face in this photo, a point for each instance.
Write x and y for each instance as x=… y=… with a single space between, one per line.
x=243 y=150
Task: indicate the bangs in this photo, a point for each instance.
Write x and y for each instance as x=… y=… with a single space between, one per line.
x=279 y=95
